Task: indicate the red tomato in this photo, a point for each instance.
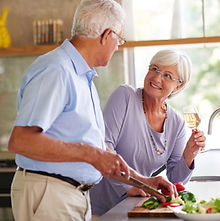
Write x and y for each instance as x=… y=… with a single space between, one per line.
x=170 y=204
x=209 y=210
x=165 y=192
x=179 y=186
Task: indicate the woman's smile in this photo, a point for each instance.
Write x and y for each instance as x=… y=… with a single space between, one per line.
x=155 y=86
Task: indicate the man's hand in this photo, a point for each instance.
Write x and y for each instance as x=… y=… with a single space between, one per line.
x=110 y=164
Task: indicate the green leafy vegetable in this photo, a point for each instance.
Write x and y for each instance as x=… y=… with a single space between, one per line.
x=187 y=196
x=190 y=207
x=217 y=204
x=212 y=206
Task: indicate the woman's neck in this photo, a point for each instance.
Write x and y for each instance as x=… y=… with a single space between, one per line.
x=155 y=112
x=153 y=105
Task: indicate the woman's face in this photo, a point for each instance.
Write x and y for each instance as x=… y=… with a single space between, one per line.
x=161 y=81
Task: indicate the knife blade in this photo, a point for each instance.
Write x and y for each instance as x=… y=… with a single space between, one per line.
x=140 y=184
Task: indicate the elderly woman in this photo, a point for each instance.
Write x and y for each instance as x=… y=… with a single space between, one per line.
x=146 y=131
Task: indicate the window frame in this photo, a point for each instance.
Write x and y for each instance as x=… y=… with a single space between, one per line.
x=199 y=40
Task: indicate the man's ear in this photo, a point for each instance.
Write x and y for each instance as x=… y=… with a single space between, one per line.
x=104 y=37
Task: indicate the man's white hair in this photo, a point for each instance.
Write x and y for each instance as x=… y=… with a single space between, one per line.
x=93 y=17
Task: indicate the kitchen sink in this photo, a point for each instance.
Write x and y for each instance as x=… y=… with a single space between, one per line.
x=207 y=164
x=205 y=181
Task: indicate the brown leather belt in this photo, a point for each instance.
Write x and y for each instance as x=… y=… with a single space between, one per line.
x=82 y=187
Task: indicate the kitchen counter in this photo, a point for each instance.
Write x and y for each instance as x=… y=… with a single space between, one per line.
x=120 y=212
x=203 y=189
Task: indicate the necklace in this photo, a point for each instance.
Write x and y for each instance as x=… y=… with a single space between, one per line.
x=152 y=139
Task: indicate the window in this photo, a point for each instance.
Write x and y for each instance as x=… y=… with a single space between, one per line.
x=182 y=25
x=176 y=19
x=204 y=88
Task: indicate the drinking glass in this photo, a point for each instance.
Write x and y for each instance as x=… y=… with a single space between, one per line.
x=192 y=119
x=191 y=116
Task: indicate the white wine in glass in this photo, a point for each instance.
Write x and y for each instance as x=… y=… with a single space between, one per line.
x=191 y=117
x=192 y=120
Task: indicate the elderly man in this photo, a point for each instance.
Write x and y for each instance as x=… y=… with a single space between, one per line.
x=59 y=131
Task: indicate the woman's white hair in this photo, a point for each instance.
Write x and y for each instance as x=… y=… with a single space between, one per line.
x=93 y=17
x=172 y=57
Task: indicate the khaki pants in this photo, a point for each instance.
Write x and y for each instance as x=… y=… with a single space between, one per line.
x=41 y=198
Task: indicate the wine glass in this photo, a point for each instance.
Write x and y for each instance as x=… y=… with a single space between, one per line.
x=191 y=116
x=192 y=119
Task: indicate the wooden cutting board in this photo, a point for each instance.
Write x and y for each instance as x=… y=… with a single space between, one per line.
x=139 y=211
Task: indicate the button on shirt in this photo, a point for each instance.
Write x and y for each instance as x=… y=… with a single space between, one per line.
x=58 y=95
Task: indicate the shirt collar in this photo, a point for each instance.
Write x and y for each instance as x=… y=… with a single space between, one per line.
x=78 y=61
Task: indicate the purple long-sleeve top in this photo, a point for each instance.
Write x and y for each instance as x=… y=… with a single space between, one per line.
x=128 y=134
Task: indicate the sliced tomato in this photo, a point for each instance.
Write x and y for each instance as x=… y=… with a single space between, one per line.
x=166 y=204
x=170 y=204
x=179 y=186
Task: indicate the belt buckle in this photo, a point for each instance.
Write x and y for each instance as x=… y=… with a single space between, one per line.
x=85 y=187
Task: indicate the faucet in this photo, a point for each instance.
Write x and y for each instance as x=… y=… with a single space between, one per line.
x=211 y=120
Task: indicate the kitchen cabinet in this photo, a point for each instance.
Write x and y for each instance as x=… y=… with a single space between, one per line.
x=6 y=177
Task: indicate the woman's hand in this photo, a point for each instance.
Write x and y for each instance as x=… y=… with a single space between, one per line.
x=195 y=143
x=158 y=183
x=134 y=191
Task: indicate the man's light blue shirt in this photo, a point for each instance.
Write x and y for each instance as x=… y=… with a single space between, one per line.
x=58 y=95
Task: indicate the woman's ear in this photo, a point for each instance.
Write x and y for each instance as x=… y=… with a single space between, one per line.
x=105 y=36
x=178 y=87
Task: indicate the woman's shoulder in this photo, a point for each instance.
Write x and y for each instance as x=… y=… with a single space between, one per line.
x=175 y=114
x=123 y=94
x=126 y=90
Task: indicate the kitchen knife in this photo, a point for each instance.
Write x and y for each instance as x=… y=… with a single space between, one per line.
x=140 y=184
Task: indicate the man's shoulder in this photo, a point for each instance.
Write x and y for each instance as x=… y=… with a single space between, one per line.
x=57 y=55
x=55 y=59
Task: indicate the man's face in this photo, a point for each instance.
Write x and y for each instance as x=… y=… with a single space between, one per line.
x=110 y=45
